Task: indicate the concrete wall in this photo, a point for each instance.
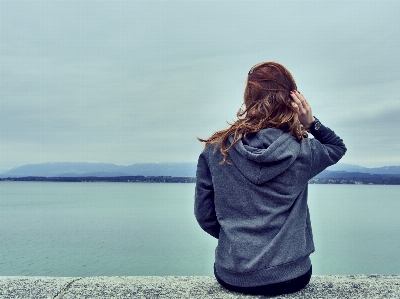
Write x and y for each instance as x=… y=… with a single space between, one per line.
x=204 y=287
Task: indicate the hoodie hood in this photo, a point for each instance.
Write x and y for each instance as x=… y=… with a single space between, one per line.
x=267 y=153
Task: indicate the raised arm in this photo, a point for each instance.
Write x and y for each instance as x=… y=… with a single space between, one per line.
x=327 y=148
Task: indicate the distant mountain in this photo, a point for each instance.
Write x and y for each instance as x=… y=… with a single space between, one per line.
x=60 y=169
x=162 y=169
x=73 y=169
x=356 y=168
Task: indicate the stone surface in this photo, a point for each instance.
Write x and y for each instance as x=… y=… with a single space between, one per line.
x=205 y=287
x=31 y=287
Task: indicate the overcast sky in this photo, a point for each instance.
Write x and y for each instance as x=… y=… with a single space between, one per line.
x=136 y=81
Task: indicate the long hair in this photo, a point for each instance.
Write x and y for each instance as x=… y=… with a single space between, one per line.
x=267 y=105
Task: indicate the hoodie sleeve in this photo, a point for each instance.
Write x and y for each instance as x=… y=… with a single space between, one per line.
x=326 y=149
x=204 y=209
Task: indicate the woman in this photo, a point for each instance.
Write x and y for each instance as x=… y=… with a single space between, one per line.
x=251 y=188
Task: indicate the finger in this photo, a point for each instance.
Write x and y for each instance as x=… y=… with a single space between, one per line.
x=295 y=107
x=301 y=97
x=301 y=106
x=295 y=98
x=303 y=100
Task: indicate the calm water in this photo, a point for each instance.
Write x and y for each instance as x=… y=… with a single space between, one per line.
x=91 y=229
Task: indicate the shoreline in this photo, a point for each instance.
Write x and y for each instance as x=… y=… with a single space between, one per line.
x=354 y=180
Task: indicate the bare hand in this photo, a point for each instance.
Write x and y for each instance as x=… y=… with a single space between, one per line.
x=303 y=109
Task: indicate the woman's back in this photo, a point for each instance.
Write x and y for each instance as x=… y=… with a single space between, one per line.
x=255 y=201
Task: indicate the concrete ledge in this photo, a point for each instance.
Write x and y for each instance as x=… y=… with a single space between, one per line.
x=204 y=287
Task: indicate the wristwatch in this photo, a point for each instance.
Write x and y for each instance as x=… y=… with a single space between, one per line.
x=316 y=124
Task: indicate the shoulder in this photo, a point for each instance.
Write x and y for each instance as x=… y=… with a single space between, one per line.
x=210 y=151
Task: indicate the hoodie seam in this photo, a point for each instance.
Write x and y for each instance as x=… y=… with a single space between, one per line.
x=311 y=160
x=259 y=174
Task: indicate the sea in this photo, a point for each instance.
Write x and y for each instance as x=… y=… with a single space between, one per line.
x=125 y=229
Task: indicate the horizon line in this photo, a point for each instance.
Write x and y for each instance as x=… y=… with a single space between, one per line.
x=2 y=171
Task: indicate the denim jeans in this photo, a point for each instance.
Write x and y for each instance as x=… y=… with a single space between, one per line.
x=285 y=287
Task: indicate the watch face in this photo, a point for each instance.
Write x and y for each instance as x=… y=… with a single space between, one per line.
x=317 y=125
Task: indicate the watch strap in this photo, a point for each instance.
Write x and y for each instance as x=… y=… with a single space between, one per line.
x=315 y=126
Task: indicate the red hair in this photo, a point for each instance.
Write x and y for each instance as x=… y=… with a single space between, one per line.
x=268 y=104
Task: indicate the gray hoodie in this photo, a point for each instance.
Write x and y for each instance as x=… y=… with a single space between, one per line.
x=256 y=206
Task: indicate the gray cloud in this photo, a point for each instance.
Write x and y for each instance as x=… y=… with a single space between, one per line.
x=137 y=81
